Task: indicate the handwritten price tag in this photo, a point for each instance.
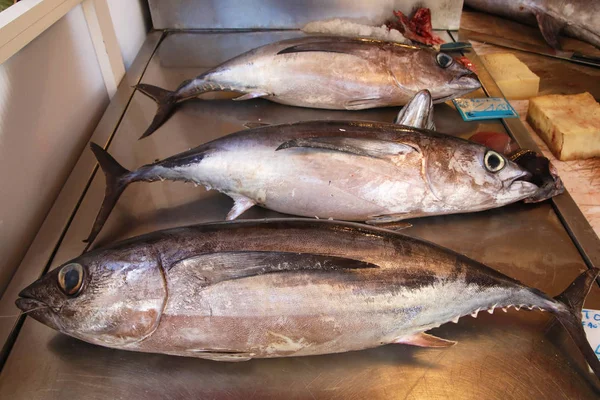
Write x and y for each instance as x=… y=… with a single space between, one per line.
x=591 y=325
x=474 y=109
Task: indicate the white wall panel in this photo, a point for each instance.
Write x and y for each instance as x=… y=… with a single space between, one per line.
x=51 y=96
x=131 y=20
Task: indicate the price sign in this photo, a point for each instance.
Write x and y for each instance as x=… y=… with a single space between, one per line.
x=591 y=324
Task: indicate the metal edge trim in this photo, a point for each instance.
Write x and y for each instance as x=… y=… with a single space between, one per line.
x=42 y=250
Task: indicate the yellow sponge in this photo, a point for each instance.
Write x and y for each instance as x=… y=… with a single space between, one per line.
x=516 y=81
x=569 y=124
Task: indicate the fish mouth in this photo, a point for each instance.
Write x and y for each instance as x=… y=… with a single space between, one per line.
x=468 y=81
x=28 y=305
x=38 y=310
x=522 y=182
x=550 y=186
x=523 y=176
x=547 y=191
x=461 y=85
x=27 y=302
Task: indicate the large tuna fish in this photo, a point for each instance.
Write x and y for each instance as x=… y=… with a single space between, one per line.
x=239 y=290
x=345 y=170
x=577 y=18
x=326 y=72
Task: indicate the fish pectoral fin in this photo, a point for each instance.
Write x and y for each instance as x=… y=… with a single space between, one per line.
x=240 y=205
x=550 y=28
x=252 y=125
x=211 y=268
x=375 y=148
x=361 y=104
x=221 y=355
x=425 y=340
x=251 y=95
x=392 y=221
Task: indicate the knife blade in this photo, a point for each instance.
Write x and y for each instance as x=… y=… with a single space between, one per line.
x=572 y=56
x=453 y=46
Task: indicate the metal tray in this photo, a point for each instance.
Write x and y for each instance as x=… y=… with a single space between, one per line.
x=511 y=355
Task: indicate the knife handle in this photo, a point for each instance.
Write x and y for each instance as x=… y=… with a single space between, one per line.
x=583 y=58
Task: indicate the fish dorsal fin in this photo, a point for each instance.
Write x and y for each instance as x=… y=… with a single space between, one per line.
x=211 y=268
x=418 y=113
x=425 y=340
x=376 y=148
x=340 y=44
x=550 y=28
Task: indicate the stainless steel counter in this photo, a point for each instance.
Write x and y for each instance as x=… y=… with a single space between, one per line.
x=501 y=356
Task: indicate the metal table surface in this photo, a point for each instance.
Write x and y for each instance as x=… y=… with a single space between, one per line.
x=513 y=355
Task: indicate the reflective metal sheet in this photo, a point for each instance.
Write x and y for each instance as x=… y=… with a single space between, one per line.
x=503 y=356
x=290 y=14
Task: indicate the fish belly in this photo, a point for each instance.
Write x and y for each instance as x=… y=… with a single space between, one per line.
x=317 y=183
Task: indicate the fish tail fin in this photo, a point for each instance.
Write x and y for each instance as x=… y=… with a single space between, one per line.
x=569 y=316
x=117 y=179
x=166 y=101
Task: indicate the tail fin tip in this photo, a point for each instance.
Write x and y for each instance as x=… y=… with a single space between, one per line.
x=573 y=298
x=112 y=169
x=574 y=295
x=117 y=179
x=166 y=101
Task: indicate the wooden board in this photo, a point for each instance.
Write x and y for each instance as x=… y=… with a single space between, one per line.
x=581 y=178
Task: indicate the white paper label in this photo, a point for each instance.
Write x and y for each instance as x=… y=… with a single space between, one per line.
x=591 y=325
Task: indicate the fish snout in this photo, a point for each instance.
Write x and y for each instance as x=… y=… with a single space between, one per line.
x=520 y=184
x=37 y=309
x=467 y=80
x=29 y=300
x=520 y=176
x=549 y=188
x=41 y=293
x=26 y=304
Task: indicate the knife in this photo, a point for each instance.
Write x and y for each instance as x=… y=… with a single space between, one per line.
x=453 y=46
x=572 y=56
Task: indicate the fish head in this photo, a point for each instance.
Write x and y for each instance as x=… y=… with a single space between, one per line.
x=110 y=298
x=446 y=78
x=466 y=175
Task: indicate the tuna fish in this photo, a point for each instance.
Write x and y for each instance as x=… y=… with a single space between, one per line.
x=353 y=171
x=577 y=18
x=233 y=291
x=326 y=72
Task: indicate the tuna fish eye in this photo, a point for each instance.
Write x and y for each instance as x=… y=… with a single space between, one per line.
x=70 y=279
x=444 y=60
x=493 y=161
